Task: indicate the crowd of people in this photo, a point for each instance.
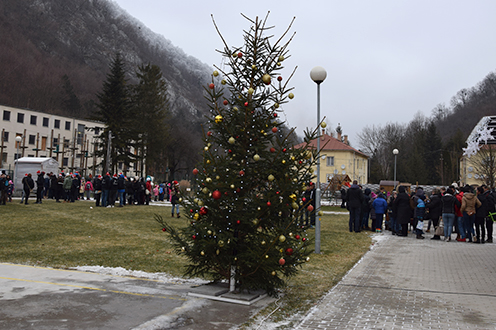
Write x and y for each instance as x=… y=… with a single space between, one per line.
x=106 y=189
x=466 y=211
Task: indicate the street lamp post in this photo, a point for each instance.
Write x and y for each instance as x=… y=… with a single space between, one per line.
x=395 y=153
x=18 y=140
x=318 y=75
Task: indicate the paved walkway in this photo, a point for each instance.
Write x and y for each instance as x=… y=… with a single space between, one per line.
x=405 y=283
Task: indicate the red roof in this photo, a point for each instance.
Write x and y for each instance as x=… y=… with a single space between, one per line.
x=329 y=143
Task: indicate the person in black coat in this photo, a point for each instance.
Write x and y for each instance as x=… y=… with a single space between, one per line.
x=40 y=183
x=343 y=198
x=402 y=210
x=434 y=206
x=27 y=186
x=354 y=200
x=97 y=188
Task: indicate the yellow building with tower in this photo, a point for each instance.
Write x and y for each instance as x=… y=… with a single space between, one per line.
x=339 y=158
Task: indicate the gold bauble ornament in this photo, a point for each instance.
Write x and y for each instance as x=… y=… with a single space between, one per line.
x=256 y=157
x=202 y=253
x=281 y=58
x=271 y=177
x=217 y=252
x=293 y=197
x=273 y=273
x=254 y=67
x=266 y=256
x=307 y=259
x=180 y=199
x=209 y=232
x=220 y=243
x=294 y=205
x=278 y=63
x=216 y=73
x=208 y=161
x=276 y=105
x=235 y=108
x=290 y=234
x=218 y=119
x=205 y=148
x=324 y=125
x=293 y=158
x=217 y=177
x=320 y=213
x=223 y=81
x=291 y=96
x=283 y=161
x=282 y=238
x=208 y=180
x=200 y=203
x=205 y=190
x=250 y=91
x=183 y=249
x=311 y=170
x=231 y=140
x=196 y=216
x=233 y=186
x=255 y=221
x=266 y=79
x=263 y=242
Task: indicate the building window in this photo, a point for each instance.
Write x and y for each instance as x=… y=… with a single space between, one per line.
x=330 y=161
x=32 y=139
x=56 y=123
x=4 y=157
x=80 y=133
x=33 y=120
x=17 y=156
x=6 y=115
x=68 y=125
x=65 y=161
x=5 y=136
x=45 y=122
x=20 y=118
x=66 y=143
x=97 y=130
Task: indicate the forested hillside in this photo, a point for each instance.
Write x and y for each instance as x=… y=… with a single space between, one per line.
x=429 y=147
x=53 y=50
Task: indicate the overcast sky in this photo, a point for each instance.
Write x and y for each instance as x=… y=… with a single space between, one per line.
x=385 y=59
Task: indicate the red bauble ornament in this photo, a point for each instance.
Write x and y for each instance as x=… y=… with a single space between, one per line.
x=191 y=211
x=211 y=86
x=279 y=78
x=303 y=239
x=195 y=171
x=274 y=129
x=240 y=54
x=225 y=102
x=238 y=222
x=277 y=193
x=297 y=236
x=310 y=208
x=246 y=104
x=225 y=193
x=284 y=150
x=238 y=190
x=289 y=251
x=272 y=149
x=300 y=162
x=216 y=194
x=163 y=229
x=304 y=199
x=275 y=114
x=209 y=133
x=269 y=203
x=193 y=237
x=203 y=210
x=282 y=261
x=230 y=151
x=241 y=172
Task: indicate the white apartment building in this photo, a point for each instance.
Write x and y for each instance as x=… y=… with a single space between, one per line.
x=67 y=140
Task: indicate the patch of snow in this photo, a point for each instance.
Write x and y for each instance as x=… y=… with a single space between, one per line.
x=119 y=271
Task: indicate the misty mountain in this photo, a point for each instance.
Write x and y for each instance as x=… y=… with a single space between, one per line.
x=45 y=40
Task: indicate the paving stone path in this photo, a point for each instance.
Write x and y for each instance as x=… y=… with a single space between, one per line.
x=405 y=283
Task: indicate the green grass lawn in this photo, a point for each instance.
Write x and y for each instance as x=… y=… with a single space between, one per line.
x=63 y=235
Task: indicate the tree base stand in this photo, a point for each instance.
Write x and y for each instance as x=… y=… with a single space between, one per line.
x=220 y=292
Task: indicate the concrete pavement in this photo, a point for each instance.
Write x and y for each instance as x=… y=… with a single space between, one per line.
x=407 y=283
x=45 y=298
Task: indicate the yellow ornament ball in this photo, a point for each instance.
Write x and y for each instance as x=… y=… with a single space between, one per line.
x=276 y=105
x=281 y=58
x=266 y=79
x=273 y=273
x=216 y=73
x=251 y=91
x=320 y=213
x=233 y=186
x=266 y=256
x=208 y=180
x=324 y=125
x=209 y=232
x=283 y=161
x=196 y=216
x=293 y=197
x=223 y=82
x=217 y=252
x=262 y=242
x=294 y=205
x=291 y=96
x=218 y=119
x=220 y=243
x=282 y=238
x=202 y=253
x=271 y=177
x=231 y=140
x=256 y=158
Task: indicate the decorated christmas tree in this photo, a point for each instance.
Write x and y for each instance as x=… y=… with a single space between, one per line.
x=244 y=223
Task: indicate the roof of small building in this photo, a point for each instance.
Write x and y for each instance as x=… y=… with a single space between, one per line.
x=329 y=143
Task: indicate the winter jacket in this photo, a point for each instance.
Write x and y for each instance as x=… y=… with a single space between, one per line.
x=449 y=201
x=470 y=203
x=435 y=206
x=67 y=182
x=354 y=197
x=380 y=205
x=487 y=204
x=402 y=207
